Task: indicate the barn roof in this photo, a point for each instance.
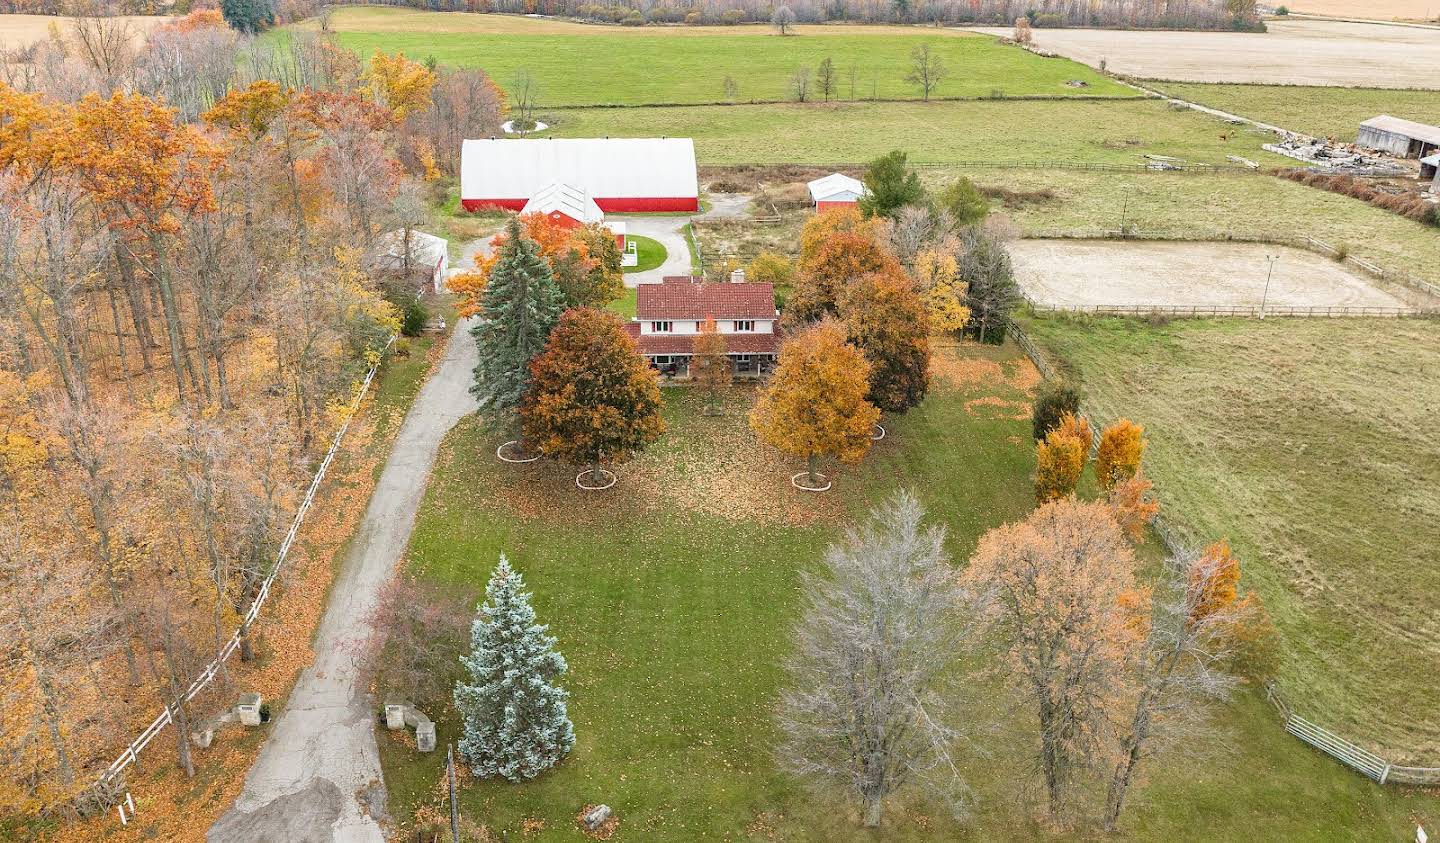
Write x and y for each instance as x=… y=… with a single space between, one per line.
x=827 y=186
x=570 y=201
x=604 y=168
x=681 y=297
x=1408 y=128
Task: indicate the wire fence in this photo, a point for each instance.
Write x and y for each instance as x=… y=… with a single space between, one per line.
x=1244 y=311
x=1298 y=241
x=1345 y=751
x=132 y=752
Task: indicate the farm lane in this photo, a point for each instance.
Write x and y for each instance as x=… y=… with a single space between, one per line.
x=667 y=231
x=318 y=776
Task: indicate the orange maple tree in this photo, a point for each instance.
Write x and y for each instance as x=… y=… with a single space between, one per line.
x=1122 y=445
x=814 y=405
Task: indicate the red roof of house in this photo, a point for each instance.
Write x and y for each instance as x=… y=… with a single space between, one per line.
x=684 y=297
x=685 y=343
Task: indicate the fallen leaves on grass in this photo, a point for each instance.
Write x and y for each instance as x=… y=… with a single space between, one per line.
x=606 y=830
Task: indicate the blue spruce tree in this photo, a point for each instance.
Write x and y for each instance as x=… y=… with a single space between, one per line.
x=516 y=723
x=521 y=304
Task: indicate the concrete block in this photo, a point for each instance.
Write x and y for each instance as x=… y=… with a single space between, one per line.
x=249 y=709
x=425 y=737
x=394 y=716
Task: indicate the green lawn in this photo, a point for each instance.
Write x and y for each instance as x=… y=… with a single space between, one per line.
x=673 y=599
x=651 y=253
x=625 y=304
x=609 y=66
x=1311 y=444
x=1118 y=132
x=1323 y=112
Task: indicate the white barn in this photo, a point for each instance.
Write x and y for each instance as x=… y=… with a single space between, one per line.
x=617 y=174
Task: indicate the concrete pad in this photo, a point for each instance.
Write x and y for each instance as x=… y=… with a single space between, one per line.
x=669 y=231
x=1104 y=273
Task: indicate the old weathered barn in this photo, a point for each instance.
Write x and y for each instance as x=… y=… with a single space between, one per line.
x=617 y=174
x=1402 y=138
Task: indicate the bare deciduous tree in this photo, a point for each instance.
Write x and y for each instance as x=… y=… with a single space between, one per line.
x=800 y=84
x=782 y=19
x=865 y=714
x=825 y=78
x=731 y=88
x=926 y=70
x=524 y=91
x=1181 y=667
x=1056 y=584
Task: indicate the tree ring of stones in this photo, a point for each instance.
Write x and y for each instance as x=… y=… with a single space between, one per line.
x=500 y=452
x=878 y=433
x=795 y=481
x=601 y=473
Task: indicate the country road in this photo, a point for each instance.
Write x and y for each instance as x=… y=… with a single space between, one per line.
x=318 y=777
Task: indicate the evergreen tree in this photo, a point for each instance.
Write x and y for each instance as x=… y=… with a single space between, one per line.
x=992 y=293
x=521 y=304
x=248 y=16
x=516 y=723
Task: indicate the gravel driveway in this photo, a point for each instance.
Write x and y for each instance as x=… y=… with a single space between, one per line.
x=669 y=231
x=318 y=778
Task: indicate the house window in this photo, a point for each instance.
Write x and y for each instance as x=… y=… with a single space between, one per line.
x=662 y=327
x=744 y=325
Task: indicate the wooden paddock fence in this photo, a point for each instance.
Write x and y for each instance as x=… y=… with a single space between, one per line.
x=1240 y=311
x=1347 y=752
x=131 y=754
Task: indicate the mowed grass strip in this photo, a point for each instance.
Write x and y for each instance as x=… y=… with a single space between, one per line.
x=1311 y=445
x=602 y=68
x=1115 y=132
x=1322 y=112
x=675 y=602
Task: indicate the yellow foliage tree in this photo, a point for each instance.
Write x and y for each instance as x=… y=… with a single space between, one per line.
x=1132 y=507
x=1059 y=461
x=1078 y=427
x=469 y=285
x=1121 y=447
x=819 y=229
x=770 y=268
x=815 y=403
x=399 y=84
x=937 y=275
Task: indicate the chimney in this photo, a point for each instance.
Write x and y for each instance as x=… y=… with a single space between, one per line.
x=738 y=276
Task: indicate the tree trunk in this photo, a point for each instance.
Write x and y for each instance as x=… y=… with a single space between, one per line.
x=872 y=811
x=179 y=357
x=810 y=463
x=136 y=299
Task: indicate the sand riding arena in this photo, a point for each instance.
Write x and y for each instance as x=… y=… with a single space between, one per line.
x=1219 y=278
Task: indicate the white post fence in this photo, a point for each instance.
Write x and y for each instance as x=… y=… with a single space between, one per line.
x=131 y=753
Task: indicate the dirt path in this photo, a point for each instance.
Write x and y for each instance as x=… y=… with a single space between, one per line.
x=666 y=230
x=318 y=776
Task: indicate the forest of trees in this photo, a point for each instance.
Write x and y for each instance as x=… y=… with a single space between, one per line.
x=1163 y=14
x=184 y=315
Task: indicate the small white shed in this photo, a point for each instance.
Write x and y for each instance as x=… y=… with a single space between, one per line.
x=429 y=255
x=834 y=190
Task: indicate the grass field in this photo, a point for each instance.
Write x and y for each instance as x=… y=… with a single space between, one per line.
x=1311 y=445
x=650 y=252
x=673 y=602
x=1322 y=112
x=656 y=66
x=991 y=131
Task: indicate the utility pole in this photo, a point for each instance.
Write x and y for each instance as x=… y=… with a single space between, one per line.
x=1268 y=275
x=454 y=809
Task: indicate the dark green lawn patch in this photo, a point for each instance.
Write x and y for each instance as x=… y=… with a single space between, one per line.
x=651 y=253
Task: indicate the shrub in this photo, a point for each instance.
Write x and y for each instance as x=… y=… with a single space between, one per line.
x=1059 y=462
x=633 y=19
x=1053 y=402
x=1282 y=11
x=1118 y=458
x=1049 y=20
x=770 y=268
x=412 y=322
x=731 y=17
x=693 y=19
